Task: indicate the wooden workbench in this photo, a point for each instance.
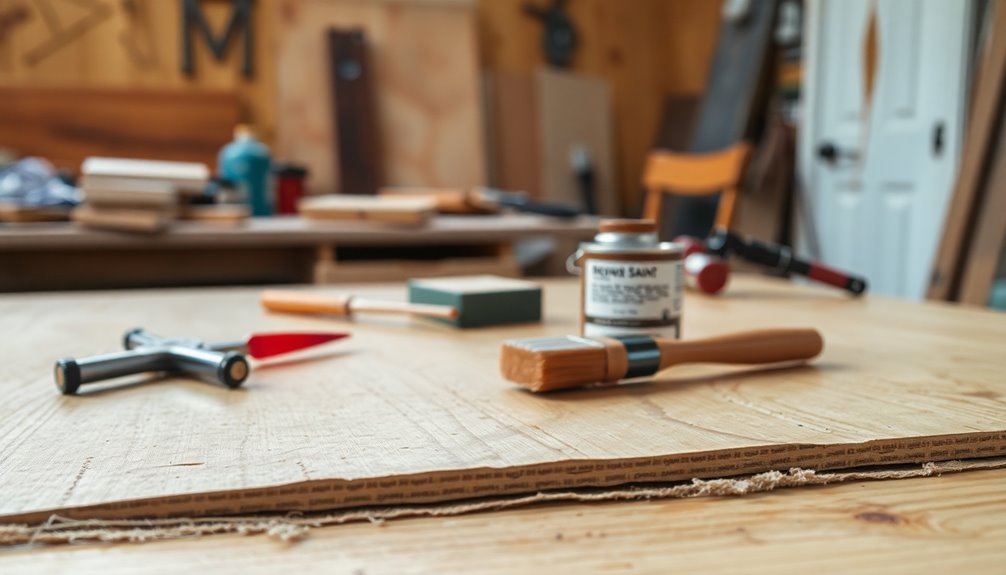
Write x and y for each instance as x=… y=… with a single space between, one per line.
x=270 y=250
x=950 y=366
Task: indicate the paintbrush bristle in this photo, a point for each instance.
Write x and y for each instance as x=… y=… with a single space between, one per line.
x=545 y=364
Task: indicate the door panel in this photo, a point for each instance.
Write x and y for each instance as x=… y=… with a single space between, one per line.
x=879 y=207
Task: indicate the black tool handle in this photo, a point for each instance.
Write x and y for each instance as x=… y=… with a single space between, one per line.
x=724 y=242
x=72 y=373
x=542 y=208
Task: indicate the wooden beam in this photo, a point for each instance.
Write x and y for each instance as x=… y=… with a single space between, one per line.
x=986 y=115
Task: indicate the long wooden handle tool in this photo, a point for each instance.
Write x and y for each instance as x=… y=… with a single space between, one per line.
x=292 y=301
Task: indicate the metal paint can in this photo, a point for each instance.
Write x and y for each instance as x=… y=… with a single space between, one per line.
x=630 y=281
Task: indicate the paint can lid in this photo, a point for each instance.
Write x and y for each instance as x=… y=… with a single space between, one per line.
x=628 y=226
x=629 y=235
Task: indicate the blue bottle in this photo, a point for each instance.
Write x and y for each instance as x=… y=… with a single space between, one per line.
x=246 y=162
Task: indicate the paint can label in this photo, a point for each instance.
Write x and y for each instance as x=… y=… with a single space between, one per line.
x=632 y=297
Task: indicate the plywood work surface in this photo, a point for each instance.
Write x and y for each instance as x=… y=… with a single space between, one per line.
x=416 y=412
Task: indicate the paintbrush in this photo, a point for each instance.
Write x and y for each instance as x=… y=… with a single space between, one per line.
x=292 y=301
x=550 y=363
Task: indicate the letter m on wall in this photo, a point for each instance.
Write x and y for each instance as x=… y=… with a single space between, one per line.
x=193 y=17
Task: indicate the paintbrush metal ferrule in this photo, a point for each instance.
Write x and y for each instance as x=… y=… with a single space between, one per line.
x=641 y=354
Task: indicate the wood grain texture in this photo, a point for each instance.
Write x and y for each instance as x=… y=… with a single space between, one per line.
x=988 y=237
x=67 y=125
x=575 y=111
x=643 y=49
x=427 y=87
x=384 y=420
x=693 y=175
x=953 y=523
x=140 y=49
x=514 y=132
x=537 y=120
x=354 y=111
x=972 y=179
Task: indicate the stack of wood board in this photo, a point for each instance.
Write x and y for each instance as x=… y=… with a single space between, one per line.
x=407 y=211
x=142 y=195
x=414 y=411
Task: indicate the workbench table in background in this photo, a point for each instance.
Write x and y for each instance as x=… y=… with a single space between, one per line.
x=271 y=250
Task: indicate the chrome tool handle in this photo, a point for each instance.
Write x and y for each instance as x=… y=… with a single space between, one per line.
x=72 y=373
x=229 y=368
x=140 y=337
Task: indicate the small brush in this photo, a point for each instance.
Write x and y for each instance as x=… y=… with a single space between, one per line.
x=551 y=363
x=292 y=301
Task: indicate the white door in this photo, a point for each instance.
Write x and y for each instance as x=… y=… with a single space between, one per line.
x=878 y=184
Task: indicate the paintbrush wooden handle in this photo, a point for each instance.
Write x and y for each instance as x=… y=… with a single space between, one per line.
x=341 y=305
x=749 y=347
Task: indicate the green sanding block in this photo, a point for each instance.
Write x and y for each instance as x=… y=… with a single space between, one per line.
x=481 y=300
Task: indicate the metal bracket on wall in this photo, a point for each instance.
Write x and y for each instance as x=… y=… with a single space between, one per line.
x=192 y=15
x=559 y=36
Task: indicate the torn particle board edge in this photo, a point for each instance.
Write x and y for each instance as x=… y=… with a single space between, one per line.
x=459 y=484
x=57 y=530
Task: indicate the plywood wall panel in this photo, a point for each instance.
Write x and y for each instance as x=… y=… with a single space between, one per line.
x=430 y=113
x=644 y=49
x=140 y=49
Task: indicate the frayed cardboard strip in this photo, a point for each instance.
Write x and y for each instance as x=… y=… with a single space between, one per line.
x=292 y=527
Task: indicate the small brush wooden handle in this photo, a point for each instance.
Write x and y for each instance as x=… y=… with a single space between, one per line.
x=396 y=307
x=750 y=347
x=304 y=302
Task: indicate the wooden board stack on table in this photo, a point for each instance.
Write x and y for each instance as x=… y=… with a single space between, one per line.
x=400 y=211
x=416 y=412
x=136 y=195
